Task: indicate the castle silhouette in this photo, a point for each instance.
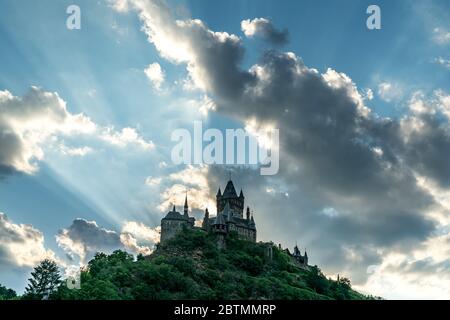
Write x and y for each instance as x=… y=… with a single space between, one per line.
x=230 y=218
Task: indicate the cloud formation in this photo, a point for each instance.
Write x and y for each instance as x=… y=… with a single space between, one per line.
x=441 y=36
x=263 y=28
x=31 y=122
x=21 y=245
x=336 y=152
x=389 y=91
x=83 y=239
x=155 y=74
x=443 y=62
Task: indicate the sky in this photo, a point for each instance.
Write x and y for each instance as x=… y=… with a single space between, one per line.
x=86 y=118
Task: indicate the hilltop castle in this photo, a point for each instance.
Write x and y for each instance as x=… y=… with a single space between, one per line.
x=230 y=218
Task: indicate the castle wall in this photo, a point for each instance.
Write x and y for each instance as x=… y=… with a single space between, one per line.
x=243 y=233
x=169 y=228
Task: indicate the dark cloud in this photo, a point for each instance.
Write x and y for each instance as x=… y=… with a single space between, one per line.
x=428 y=150
x=83 y=239
x=421 y=267
x=334 y=150
x=11 y=149
x=263 y=28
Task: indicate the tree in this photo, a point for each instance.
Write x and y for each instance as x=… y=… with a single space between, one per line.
x=316 y=280
x=345 y=282
x=44 y=281
x=6 y=294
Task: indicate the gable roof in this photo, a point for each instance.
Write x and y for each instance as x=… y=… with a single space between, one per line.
x=174 y=215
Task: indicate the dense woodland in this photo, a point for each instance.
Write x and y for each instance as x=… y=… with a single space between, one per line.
x=189 y=267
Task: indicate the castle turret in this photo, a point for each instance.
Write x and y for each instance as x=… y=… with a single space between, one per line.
x=297 y=251
x=248 y=213
x=172 y=223
x=186 y=207
x=205 y=224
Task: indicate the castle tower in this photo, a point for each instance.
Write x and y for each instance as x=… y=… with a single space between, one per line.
x=220 y=229
x=230 y=196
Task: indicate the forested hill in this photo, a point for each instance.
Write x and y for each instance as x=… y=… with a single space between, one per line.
x=191 y=267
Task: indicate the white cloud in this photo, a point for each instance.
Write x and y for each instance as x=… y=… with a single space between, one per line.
x=420 y=274
x=330 y=212
x=31 y=123
x=389 y=91
x=368 y=94
x=139 y=237
x=263 y=28
x=119 y=5
x=75 y=152
x=150 y=181
x=441 y=36
x=155 y=74
x=204 y=105
x=124 y=138
x=443 y=62
x=162 y=164
x=21 y=245
x=193 y=179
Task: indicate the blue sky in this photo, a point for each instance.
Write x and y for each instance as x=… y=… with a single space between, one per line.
x=99 y=72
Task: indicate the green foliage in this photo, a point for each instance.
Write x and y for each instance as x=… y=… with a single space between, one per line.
x=191 y=267
x=44 y=281
x=7 y=294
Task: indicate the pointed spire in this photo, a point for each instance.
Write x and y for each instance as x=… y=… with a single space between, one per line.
x=173 y=208
x=241 y=195
x=248 y=213
x=230 y=191
x=219 y=193
x=186 y=207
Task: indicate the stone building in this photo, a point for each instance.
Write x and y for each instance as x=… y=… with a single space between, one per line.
x=301 y=260
x=173 y=222
x=230 y=214
x=230 y=217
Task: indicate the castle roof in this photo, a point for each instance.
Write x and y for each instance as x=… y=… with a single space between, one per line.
x=174 y=215
x=220 y=220
x=230 y=191
x=226 y=217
